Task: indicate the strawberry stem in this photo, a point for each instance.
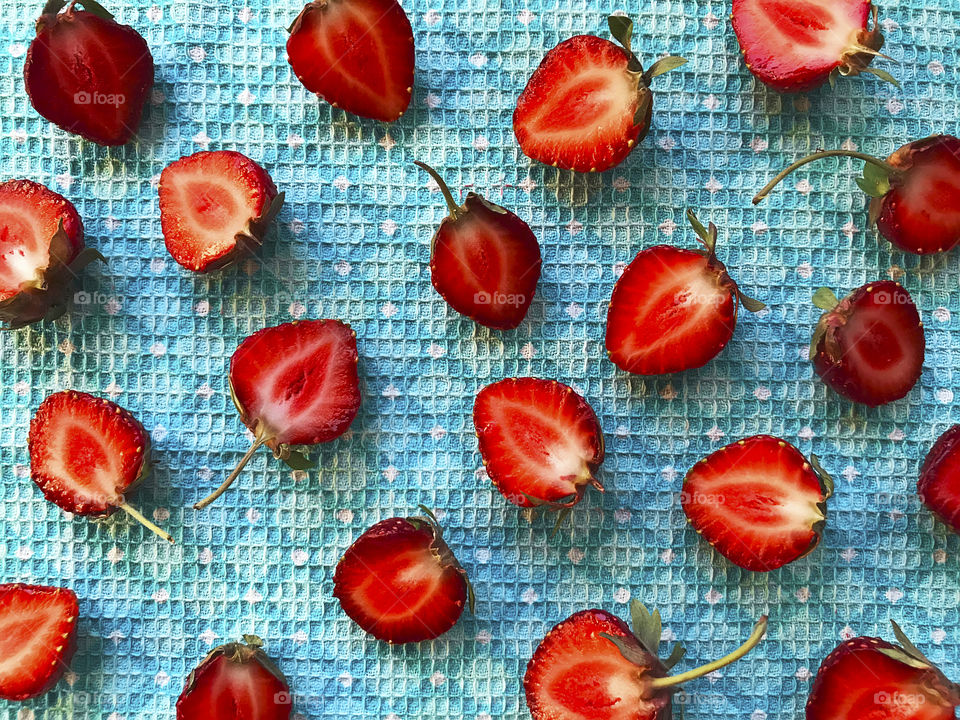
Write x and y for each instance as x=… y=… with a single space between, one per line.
x=758 y=630
x=455 y=209
x=885 y=166
x=257 y=443
x=138 y=516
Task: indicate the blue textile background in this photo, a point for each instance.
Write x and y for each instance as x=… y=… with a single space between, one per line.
x=353 y=243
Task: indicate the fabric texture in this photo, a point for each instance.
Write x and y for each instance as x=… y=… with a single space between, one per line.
x=353 y=243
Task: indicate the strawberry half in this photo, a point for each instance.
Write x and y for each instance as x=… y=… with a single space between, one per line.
x=86 y=452
x=401 y=583
x=915 y=192
x=88 y=74
x=294 y=384
x=798 y=45
x=939 y=484
x=237 y=681
x=588 y=103
x=215 y=208
x=356 y=55
x=540 y=441
x=592 y=666
x=758 y=501
x=38 y=635
x=41 y=253
x=674 y=309
x=869 y=347
x=866 y=678
x=485 y=261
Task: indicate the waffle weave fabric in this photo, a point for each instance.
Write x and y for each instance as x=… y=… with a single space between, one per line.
x=353 y=243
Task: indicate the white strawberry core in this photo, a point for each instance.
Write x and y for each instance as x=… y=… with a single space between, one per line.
x=21 y=254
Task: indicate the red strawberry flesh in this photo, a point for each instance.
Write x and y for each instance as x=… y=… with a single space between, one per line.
x=298 y=381
x=30 y=216
x=859 y=681
x=577 y=674
x=921 y=212
x=757 y=501
x=38 y=627
x=214 y=206
x=236 y=682
x=485 y=261
x=939 y=484
x=794 y=45
x=577 y=110
x=673 y=309
x=400 y=582
x=870 y=347
x=356 y=55
x=89 y=75
x=85 y=452
x=539 y=439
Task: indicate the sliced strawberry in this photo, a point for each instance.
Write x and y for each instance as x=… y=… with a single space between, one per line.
x=38 y=635
x=588 y=103
x=485 y=260
x=869 y=347
x=294 y=384
x=215 y=208
x=673 y=309
x=41 y=252
x=592 y=666
x=758 y=502
x=797 y=45
x=867 y=678
x=915 y=192
x=86 y=452
x=939 y=484
x=577 y=673
x=237 y=681
x=920 y=213
x=540 y=441
x=401 y=583
x=356 y=55
x=87 y=73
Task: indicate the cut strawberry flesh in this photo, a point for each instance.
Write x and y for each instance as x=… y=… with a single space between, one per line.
x=228 y=690
x=757 y=501
x=671 y=310
x=486 y=265
x=874 y=347
x=578 y=108
x=575 y=674
x=30 y=215
x=921 y=213
x=37 y=638
x=356 y=54
x=538 y=439
x=939 y=484
x=396 y=587
x=859 y=682
x=85 y=452
x=298 y=381
x=796 y=44
x=206 y=201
